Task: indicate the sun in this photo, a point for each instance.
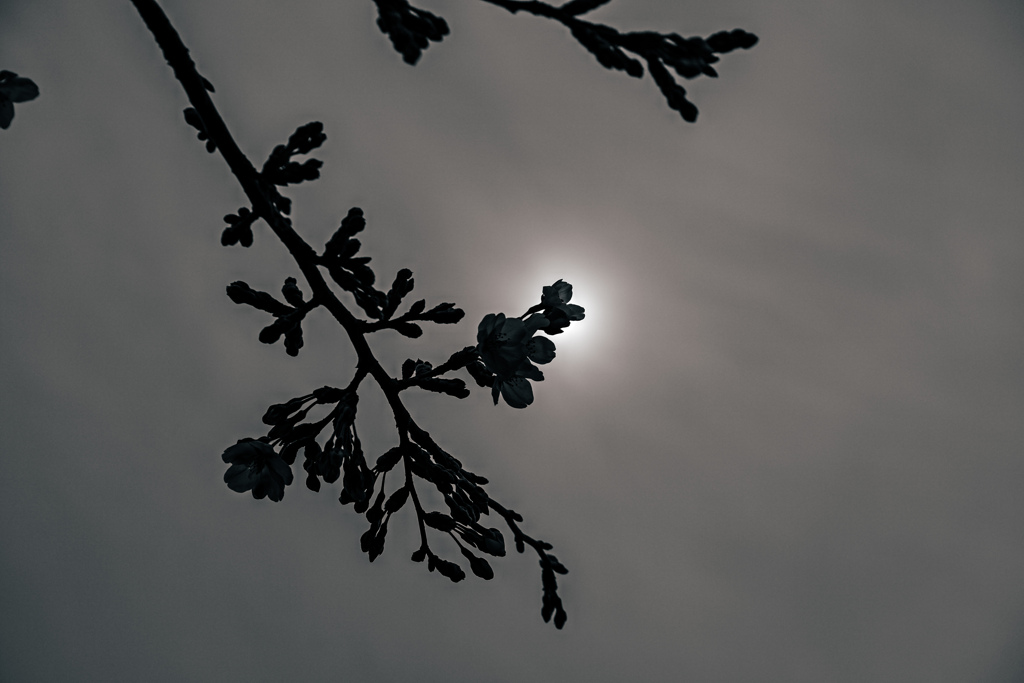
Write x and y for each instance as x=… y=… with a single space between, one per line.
x=543 y=245
x=584 y=342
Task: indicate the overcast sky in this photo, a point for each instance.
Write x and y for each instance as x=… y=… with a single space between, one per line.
x=785 y=445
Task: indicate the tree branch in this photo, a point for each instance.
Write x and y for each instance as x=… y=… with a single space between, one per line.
x=255 y=465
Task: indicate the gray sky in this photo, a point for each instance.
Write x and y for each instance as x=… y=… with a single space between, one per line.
x=785 y=445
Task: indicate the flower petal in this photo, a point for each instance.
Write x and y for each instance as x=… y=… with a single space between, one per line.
x=262 y=488
x=281 y=470
x=510 y=330
x=541 y=350
x=486 y=326
x=240 y=478
x=504 y=360
x=529 y=371
x=558 y=293
x=248 y=451
x=517 y=392
x=275 y=489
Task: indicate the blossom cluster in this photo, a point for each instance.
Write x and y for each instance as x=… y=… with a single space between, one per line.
x=258 y=467
x=509 y=347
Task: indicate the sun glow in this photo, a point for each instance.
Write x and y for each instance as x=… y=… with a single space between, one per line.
x=584 y=341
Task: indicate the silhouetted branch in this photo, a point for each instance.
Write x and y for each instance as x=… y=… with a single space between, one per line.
x=411 y=31
x=502 y=359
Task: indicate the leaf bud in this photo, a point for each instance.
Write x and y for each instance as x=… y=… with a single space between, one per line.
x=241 y=293
x=279 y=412
x=417 y=308
x=327 y=394
x=387 y=462
x=475 y=478
x=450 y=570
x=402 y=285
x=293 y=340
x=478 y=565
x=411 y=330
x=452 y=387
x=367 y=538
x=439 y=521
x=292 y=293
x=306 y=138
x=445 y=314
x=376 y=511
x=397 y=499
x=489 y=541
x=272 y=332
x=353 y=222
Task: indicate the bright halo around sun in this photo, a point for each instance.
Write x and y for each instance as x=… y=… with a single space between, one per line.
x=584 y=342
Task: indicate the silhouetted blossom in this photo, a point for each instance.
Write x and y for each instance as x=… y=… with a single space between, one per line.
x=506 y=347
x=256 y=467
x=555 y=306
x=502 y=342
x=14 y=88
